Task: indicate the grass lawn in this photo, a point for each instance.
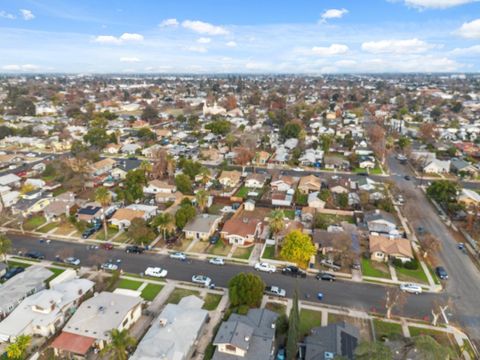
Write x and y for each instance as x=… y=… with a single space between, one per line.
x=100 y=235
x=289 y=213
x=412 y=275
x=34 y=222
x=129 y=284
x=56 y=272
x=12 y=263
x=330 y=219
x=179 y=293
x=383 y=328
x=308 y=320
x=58 y=191
x=65 y=229
x=276 y=307
x=122 y=238
x=373 y=269
x=301 y=199
x=46 y=228
x=243 y=192
x=376 y=171
x=440 y=336
x=269 y=252
x=215 y=209
x=220 y=249
x=151 y=291
x=211 y=301
x=243 y=253
x=201 y=246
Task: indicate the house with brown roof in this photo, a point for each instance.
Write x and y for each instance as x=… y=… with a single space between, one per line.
x=382 y=248
x=230 y=178
x=261 y=158
x=123 y=217
x=241 y=231
x=211 y=156
x=102 y=167
x=159 y=186
x=283 y=183
x=256 y=181
x=309 y=183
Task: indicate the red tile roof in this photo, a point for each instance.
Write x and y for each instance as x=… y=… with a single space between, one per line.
x=76 y=344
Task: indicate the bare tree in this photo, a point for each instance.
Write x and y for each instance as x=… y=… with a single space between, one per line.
x=394 y=298
x=430 y=244
x=438 y=308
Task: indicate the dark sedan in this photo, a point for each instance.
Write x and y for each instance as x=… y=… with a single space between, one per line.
x=35 y=255
x=134 y=249
x=11 y=273
x=294 y=271
x=441 y=272
x=325 y=276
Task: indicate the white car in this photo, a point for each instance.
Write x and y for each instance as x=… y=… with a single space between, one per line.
x=275 y=291
x=411 y=288
x=201 y=279
x=178 y=256
x=297 y=169
x=265 y=267
x=217 y=261
x=72 y=261
x=156 y=272
x=109 y=266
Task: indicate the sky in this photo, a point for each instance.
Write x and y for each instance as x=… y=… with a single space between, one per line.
x=239 y=36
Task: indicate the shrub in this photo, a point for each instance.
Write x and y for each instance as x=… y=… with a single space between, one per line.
x=411 y=265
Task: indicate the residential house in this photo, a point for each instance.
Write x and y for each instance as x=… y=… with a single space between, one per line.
x=311 y=157
x=230 y=178
x=261 y=158
x=123 y=217
x=27 y=283
x=174 y=333
x=211 y=156
x=11 y=180
x=158 y=186
x=309 y=183
x=32 y=202
x=366 y=184
x=308 y=214
x=328 y=242
x=332 y=341
x=91 y=324
x=103 y=166
x=336 y=162
x=60 y=205
x=469 y=198
x=256 y=181
x=246 y=337
x=118 y=173
x=162 y=198
x=130 y=149
x=283 y=183
x=90 y=212
x=280 y=198
x=314 y=201
x=383 y=248
x=460 y=166
x=381 y=222
x=112 y=149
x=45 y=312
x=9 y=198
x=202 y=226
x=241 y=231
x=437 y=167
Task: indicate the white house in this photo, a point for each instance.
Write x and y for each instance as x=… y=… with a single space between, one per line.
x=437 y=167
x=314 y=201
x=158 y=186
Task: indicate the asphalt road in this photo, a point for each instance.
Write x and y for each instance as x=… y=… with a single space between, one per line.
x=349 y=294
x=463 y=286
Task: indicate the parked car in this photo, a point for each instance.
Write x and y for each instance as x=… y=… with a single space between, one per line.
x=134 y=249
x=156 y=272
x=275 y=291
x=281 y=354
x=294 y=271
x=178 y=256
x=88 y=232
x=109 y=266
x=441 y=272
x=201 y=279
x=72 y=261
x=265 y=267
x=407 y=177
x=330 y=264
x=11 y=273
x=35 y=255
x=214 y=239
x=411 y=288
x=107 y=246
x=216 y=261
x=325 y=276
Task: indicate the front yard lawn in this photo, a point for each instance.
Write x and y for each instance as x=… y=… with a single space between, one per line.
x=269 y=252
x=308 y=320
x=375 y=269
x=48 y=227
x=12 y=264
x=243 y=253
x=65 y=228
x=34 y=222
x=111 y=232
x=179 y=293
x=129 y=284
x=211 y=301
x=220 y=248
x=386 y=329
x=440 y=336
x=276 y=307
x=411 y=275
x=151 y=291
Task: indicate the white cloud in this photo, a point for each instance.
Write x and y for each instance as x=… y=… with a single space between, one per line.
x=199 y=49
x=204 y=40
x=470 y=30
x=6 y=15
x=231 y=44
x=129 y=59
x=204 y=28
x=27 y=14
x=332 y=50
x=345 y=63
x=24 y=67
x=125 y=37
x=472 y=50
x=256 y=65
x=436 y=4
x=169 y=23
x=407 y=46
x=333 y=14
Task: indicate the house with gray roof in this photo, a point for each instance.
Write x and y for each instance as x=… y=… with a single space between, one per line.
x=382 y=222
x=202 y=226
x=247 y=337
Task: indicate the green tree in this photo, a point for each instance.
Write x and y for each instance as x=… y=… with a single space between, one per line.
x=104 y=198
x=165 y=222
x=219 y=127
x=297 y=247
x=183 y=184
x=117 y=348
x=133 y=185
x=145 y=134
x=5 y=246
x=443 y=191
x=342 y=200
x=404 y=142
x=293 y=335
x=327 y=141
x=184 y=215
x=429 y=349
x=291 y=130
x=246 y=289
x=202 y=198
x=97 y=137
x=140 y=232
x=149 y=113
x=190 y=167
x=372 y=351
x=18 y=349
x=24 y=106
x=276 y=222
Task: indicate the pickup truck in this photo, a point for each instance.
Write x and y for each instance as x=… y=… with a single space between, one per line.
x=330 y=264
x=275 y=291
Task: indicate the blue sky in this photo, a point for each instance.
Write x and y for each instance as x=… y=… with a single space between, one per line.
x=262 y=36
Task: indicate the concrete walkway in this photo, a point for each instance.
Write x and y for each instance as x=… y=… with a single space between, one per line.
x=393 y=272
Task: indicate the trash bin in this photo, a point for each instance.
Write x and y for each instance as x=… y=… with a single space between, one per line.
x=320 y=296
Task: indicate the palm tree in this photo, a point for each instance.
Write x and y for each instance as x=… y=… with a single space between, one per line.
x=104 y=198
x=120 y=341
x=147 y=167
x=277 y=224
x=5 y=246
x=205 y=173
x=165 y=222
x=202 y=199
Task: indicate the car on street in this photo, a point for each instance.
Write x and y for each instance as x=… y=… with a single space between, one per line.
x=461 y=246
x=411 y=288
x=202 y=279
x=12 y=272
x=217 y=261
x=107 y=246
x=265 y=267
x=275 y=291
x=35 y=255
x=441 y=272
x=294 y=271
x=298 y=169
x=134 y=249
x=109 y=266
x=72 y=261
x=325 y=276
x=407 y=177
x=178 y=256
x=156 y=272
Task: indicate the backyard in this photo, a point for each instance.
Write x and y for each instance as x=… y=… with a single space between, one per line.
x=179 y=293
x=323 y=221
